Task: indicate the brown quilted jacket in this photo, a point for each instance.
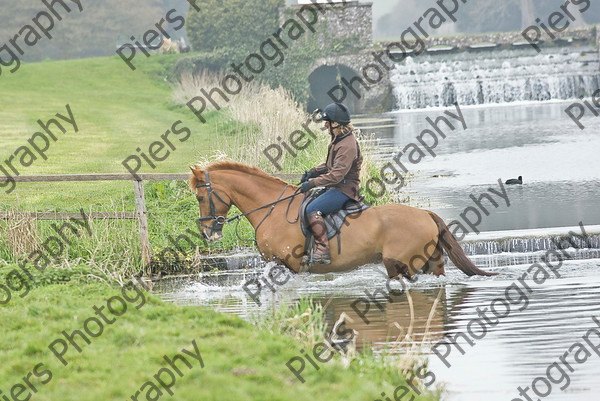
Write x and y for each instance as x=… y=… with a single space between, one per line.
x=341 y=171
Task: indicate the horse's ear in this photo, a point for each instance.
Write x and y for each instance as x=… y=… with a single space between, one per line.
x=197 y=172
x=196 y=178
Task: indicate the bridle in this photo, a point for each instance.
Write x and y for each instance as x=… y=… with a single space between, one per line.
x=220 y=221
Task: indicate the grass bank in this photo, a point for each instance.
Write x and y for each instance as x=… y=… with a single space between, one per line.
x=240 y=361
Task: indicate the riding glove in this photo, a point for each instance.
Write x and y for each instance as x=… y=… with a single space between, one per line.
x=307 y=175
x=306 y=186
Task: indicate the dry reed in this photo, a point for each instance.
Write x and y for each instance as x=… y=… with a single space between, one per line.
x=260 y=115
x=20 y=234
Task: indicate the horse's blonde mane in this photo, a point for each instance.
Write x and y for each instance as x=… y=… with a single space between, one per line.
x=229 y=165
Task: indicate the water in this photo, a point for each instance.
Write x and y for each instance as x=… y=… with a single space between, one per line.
x=561 y=171
x=513 y=353
x=496 y=77
x=558 y=161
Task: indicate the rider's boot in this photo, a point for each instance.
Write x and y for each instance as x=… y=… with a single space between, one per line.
x=317 y=226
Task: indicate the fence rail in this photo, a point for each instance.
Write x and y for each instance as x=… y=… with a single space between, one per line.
x=140 y=201
x=67 y=216
x=120 y=177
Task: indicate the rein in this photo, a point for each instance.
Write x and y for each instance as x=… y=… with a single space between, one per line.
x=220 y=221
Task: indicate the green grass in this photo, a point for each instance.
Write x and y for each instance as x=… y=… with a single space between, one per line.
x=117 y=110
x=241 y=362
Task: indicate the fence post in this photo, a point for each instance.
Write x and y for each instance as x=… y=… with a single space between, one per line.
x=140 y=204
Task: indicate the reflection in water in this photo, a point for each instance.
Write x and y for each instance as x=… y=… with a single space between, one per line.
x=522 y=345
x=383 y=319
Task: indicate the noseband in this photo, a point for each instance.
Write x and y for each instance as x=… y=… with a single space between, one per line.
x=219 y=221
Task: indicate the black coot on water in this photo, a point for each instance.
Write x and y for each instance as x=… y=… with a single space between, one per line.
x=513 y=181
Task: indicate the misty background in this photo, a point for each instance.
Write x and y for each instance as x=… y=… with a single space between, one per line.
x=104 y=24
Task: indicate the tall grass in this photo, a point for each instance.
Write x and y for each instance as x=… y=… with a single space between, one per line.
x=19 y=234
x=304 y=321
x=110 y=248
x=260 y=116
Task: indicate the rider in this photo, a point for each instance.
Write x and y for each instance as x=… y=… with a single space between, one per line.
x=340 y=174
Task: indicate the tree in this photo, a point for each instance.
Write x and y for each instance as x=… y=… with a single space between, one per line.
x=232 y=23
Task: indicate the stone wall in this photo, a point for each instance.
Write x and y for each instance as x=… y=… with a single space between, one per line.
x=351 y=21
x=506 y=39
x=376 y=98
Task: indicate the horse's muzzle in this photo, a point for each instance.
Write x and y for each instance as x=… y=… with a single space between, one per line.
x=214 y=235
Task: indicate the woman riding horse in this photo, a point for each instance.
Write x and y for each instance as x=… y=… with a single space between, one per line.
x=339 y=174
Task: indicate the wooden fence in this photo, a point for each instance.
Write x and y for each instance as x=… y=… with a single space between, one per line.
x=140 y=201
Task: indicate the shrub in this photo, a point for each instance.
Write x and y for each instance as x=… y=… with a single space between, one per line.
x=232 y=23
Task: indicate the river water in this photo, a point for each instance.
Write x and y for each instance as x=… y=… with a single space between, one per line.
x=545 y=318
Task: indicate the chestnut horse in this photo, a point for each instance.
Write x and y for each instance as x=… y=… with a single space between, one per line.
x=406 y=239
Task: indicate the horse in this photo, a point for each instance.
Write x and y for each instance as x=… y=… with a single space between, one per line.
x=406 y=239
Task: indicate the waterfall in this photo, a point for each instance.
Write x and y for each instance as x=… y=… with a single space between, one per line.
x=495 y=252
x=502 y=76
x=528 y=245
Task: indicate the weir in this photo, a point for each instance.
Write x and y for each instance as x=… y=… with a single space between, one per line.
x=495 y=77
x=486 y=68
x=522 y=247
x=487 y=249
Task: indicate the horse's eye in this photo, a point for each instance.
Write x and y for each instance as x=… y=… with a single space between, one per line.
x=200 y=198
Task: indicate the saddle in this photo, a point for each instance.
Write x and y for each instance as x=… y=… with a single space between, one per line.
x=333 y=221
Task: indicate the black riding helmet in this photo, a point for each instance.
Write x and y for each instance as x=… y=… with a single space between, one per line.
x=337 y=113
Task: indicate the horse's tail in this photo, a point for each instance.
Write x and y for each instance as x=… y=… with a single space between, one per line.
x=454 y=250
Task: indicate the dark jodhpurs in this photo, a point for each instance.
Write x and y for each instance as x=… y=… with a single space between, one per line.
x=329 y=202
